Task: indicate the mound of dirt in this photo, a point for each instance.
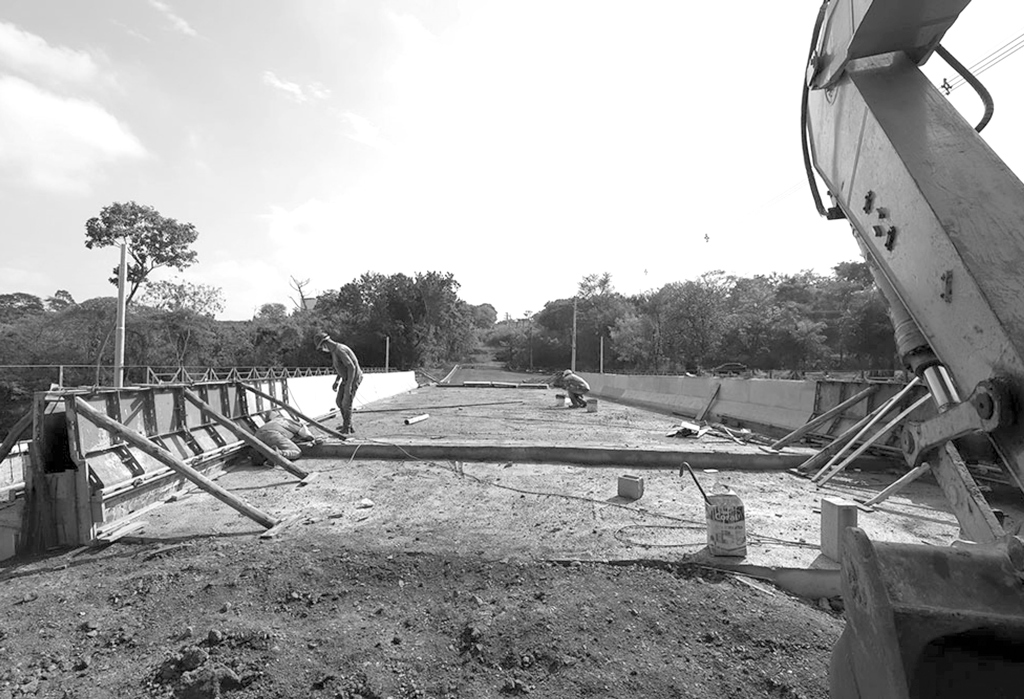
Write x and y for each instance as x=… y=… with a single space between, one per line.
x=308 y=616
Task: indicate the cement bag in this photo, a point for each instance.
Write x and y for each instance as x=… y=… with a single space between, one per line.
x=727 y=525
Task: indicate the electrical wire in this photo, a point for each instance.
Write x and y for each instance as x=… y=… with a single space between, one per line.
x=986 y=98
x=993 y=59
x=763 y=539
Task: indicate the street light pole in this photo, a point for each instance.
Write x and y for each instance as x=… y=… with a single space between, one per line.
x=122 y=281
x=574 y=304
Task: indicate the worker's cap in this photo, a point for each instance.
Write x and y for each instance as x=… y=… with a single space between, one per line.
x=566 y=372
x=320 y=338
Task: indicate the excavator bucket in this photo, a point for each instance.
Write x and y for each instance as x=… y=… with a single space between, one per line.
x=930 y=622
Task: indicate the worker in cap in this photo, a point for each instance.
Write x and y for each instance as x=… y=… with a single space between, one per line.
x=349 y=376
x=575 y=386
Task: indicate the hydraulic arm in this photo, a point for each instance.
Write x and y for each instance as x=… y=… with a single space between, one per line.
x=940 y=220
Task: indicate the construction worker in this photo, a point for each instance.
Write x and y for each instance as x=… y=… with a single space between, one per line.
x=349 y=376
x=575 y=386
x=283 y=435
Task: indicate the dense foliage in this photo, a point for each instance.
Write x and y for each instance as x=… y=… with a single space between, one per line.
x=797 y=322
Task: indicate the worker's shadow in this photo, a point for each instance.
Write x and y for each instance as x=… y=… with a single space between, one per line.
x=620 y=500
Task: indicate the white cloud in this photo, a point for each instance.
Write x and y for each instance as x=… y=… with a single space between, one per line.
x=297 y=92
x=179 y=24
x=58 y=143
x=32 y=57
x=363 y=131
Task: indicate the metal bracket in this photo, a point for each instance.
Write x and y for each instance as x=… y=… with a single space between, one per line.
x=947 y=286
x=987 y=409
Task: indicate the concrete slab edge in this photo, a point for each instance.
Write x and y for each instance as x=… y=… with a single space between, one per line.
x=577 y=456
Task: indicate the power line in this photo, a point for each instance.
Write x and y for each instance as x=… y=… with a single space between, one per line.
x=992 y=59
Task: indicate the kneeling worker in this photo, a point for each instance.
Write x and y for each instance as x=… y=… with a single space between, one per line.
x=575 y=386
x=283 y=435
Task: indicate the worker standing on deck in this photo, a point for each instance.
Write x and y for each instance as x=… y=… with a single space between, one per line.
x=349 y=376
x=283 y=435
x=575 y=386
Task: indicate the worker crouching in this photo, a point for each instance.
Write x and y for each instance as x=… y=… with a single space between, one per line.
x=283 y=436
x=575 y=386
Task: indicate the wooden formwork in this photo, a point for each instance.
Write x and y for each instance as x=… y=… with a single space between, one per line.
x=84 y=481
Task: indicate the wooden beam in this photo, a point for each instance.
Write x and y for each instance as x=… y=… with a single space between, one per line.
x=284 y=406
x=12 y=437
x=147 y=446
x=874 y=438
x=868 y=423
x=897 y=485
x=969 y=505
x=711 y=401
x=824 y=417
x=244 y=436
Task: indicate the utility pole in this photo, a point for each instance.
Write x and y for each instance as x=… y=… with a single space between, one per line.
x=575 y=299
x=122 y=280
x=602 y=355
x=387 y=354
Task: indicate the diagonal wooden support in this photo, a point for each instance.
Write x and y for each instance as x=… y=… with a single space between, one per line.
x=711 y=401
x=969 y=505
x=874 y=438
x=249 y=439
x=165 y=457
x=897 y=485
x=284 y=406
x=881 y=412
x=12 y=437
x=825 y=417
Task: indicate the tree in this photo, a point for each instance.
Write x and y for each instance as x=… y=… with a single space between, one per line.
x=153 y=240
x=17 y=306
x=272 y=311
x=60 y=300
x=201 y=299
x=299 y=285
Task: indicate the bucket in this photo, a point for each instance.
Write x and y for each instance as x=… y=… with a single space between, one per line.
x=727 y=526
x=591 y=405
x=559 y=400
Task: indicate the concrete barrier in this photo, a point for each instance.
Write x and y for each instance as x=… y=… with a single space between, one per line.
x=314 y=396
x=770 y=405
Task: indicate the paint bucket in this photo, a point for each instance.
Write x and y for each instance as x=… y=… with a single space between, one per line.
x=559 y=400
x=727 y=525
x=591 y=405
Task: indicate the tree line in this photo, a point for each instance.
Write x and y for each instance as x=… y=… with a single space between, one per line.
x=799 y=322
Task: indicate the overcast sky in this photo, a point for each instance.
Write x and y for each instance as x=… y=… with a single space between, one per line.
x=519 y=145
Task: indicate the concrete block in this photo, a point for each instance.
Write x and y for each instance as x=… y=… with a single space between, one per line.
x=836 y=515
x=631 y=487
x=591 y=405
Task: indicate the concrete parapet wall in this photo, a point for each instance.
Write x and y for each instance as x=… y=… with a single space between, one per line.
x=314 y=396
x=783 y=404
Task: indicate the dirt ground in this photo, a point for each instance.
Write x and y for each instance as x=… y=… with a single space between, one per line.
x=415 y=578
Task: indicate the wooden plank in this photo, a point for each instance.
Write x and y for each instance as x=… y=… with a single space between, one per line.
x=120 y=533
x=15 y=434
x=244 y=436
x=825 y=417
x=874 y=438
x=969 y=505
x=711 y=401
x=280 y=526
x=897 y=485
x=867 y=423
x=145 y=445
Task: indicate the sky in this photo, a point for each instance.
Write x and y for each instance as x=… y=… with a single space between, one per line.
x=518 y=145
